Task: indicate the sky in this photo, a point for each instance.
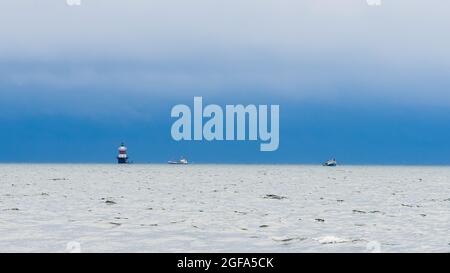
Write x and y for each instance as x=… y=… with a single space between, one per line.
x=365 y=84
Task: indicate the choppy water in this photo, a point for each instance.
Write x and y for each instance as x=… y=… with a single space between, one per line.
x=230 y=208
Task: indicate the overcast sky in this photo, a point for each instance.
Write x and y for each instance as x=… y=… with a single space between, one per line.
x=85 y=62
x=300 y=48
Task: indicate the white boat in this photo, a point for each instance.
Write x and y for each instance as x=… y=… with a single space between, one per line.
x=182 y=161
x=330 y=163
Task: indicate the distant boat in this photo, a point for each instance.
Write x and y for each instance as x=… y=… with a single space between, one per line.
x=182 y=161
x=330 y=163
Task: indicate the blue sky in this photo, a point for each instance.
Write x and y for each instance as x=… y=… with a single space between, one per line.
x=364 y=84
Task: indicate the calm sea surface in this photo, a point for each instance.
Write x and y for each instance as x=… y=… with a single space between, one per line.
x=226 y=208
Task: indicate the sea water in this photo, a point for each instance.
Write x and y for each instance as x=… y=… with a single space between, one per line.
x=223 y=208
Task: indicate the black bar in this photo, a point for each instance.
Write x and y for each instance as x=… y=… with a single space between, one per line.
x=225 y=262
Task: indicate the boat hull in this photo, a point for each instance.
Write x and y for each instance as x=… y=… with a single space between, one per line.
x=176 y=163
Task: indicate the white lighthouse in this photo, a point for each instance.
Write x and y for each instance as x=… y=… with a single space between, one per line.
x=122 y=157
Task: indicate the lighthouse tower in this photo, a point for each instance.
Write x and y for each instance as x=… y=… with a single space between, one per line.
x=122 y=157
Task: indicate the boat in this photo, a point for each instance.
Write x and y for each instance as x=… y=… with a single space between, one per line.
x=330 y=163
x=182 y=161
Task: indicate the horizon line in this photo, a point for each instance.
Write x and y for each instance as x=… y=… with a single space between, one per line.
x=233 y=163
